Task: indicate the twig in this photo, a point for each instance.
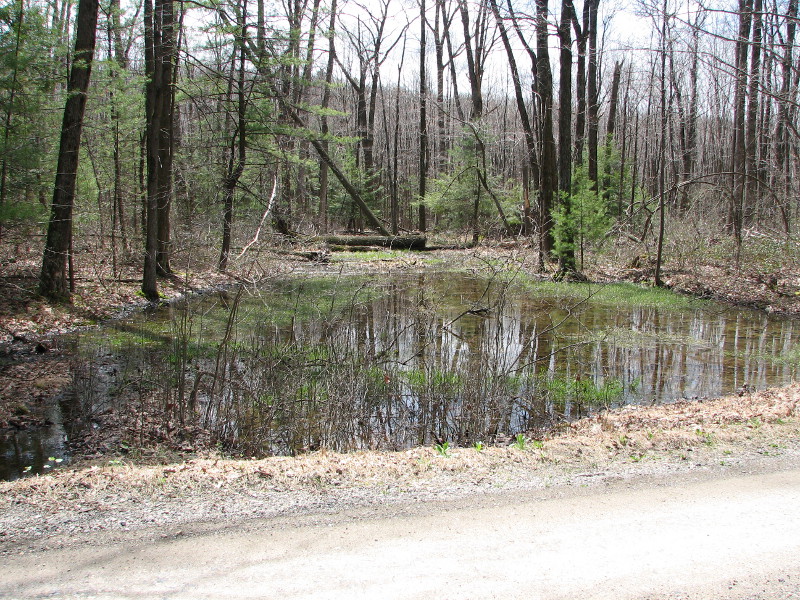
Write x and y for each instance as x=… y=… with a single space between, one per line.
x=263 y=218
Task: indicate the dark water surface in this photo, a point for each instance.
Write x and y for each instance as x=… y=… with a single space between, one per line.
x=389 y=361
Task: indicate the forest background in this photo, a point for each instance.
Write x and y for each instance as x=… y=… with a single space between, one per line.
x=205 y=125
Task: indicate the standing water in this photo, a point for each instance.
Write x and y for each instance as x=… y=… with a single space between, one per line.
x=390 y=361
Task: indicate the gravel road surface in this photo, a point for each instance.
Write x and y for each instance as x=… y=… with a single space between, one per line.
x=721 y=533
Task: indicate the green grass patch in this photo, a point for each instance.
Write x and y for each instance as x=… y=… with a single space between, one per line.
x=582 y=391
x=370 y=255
x=615 y=294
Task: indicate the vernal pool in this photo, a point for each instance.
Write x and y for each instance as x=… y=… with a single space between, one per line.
x=390 y=361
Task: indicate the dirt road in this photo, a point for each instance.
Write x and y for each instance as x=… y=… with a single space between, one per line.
x=723 y=533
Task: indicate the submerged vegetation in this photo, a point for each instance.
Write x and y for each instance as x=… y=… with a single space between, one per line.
x=429 y=358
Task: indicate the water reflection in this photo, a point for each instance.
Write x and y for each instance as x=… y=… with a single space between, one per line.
x=454 y=322
x=33 y=451
x=364 y=363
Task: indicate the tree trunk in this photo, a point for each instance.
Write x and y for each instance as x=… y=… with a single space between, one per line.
x=662 y=146
x=785 y=112
x=548 y=173
x=167 y=55
x=522 y=109
x=593 y=93
x=423 y=119
x=408 y=242
x=566 y=256
x=438 y=40
x=581 y=34
x=739 y=169
x=238 y=148
x=611 y=125
x=394 y=208
x=751 y=137
x=613 y=101
x=53 y=281
x=153 y=109
x=326 y=95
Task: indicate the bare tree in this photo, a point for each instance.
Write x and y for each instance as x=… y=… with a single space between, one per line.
x=324 y=127
x=372 y=50
x=237 y=151
x=786 y=111
x=423 y=118
x=739 y=169
x=532 y=165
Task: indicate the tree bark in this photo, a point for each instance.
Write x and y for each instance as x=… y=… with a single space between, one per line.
x=238 y=150
x=567 y=255
x=739 y=167
x=593 y=93
x=751 y=137
x=785 y=114
x=581 y=35
x=324 y=128
x=548 y=172
x=423 y=119
x=166 y=54
x=53 y=280
x=153 y=110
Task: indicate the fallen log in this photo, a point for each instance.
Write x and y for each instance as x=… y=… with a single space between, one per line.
x=398 y=242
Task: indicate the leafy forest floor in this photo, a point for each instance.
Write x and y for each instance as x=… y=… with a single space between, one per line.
x=34 y=367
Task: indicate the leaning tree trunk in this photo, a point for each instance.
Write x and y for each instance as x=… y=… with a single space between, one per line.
x=53 y=279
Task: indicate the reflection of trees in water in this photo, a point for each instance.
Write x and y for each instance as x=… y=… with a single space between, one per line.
x=447 y=357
